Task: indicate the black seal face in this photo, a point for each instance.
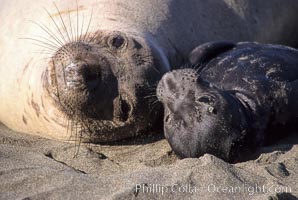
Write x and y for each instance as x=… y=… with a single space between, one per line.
x=103 y=84
x=198 y=118
x=236 y=98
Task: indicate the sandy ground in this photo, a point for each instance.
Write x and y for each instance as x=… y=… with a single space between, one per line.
x=146 y=168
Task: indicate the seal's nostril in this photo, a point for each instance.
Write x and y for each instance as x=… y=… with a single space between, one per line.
x=90 y=77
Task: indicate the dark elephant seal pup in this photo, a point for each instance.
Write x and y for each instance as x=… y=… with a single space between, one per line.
x=96 y=63
x=239 y=97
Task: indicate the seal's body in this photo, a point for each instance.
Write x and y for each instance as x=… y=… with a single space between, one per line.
x=233 y=102
x=97 y=76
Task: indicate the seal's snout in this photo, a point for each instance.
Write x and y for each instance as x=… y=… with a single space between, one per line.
x=85 y=83
x=81 y=75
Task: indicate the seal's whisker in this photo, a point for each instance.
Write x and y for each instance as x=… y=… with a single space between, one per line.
x=86 y=33
x=75 y=131
x=42 y=43
x=92 y=37
x=45 y=57
x=49 y=32
x=43 y=46
x=65 y=121
x=155 y=101
x=82 y=28
x=155 y=69
x=57 y=27
x=44 y=51
x=49 y=53
x=77 y=146
x=62 y=22
x=198 y=68
x=79 y=133
x=153 y=106
x=149 y=96
x=77 y=30
x=71 y=31
x=70 y=129
x=47 y=40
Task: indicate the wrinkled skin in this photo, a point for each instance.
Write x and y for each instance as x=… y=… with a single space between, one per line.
x=234 y=102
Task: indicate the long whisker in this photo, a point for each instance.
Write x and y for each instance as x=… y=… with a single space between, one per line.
x=72 y=38
x=76 y=136
x=48 y=45
x=44 y=53
x=82 y=27
x=92 y=37
x=77 y=39
x=56 y=25
x=63 y=24
x=153 y=106
x=71 y=129
x=149 y=96
x=48 y=31
x=86 y=33
x=47 y=40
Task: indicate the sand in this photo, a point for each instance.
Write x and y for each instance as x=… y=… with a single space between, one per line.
x=146 y=168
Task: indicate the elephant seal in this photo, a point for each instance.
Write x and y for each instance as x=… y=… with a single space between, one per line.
x=232 y=103
x=96 y=63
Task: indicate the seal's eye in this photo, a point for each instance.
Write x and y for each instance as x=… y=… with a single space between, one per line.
x=117 y=41
x=204 y=99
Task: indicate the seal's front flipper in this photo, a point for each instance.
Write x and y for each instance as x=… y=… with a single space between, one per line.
x=205 y=52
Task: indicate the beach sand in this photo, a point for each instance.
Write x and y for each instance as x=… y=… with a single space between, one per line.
x=145 y=168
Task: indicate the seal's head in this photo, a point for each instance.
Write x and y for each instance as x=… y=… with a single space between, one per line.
x=103 y=83
x=200 y=118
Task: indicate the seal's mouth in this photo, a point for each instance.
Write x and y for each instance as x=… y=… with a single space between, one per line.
x=123 y=109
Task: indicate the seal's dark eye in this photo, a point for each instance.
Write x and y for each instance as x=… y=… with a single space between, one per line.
x=204 y=99
x=118 y=41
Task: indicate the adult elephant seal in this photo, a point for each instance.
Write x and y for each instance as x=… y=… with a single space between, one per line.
x=237 y=99
x=98 y=76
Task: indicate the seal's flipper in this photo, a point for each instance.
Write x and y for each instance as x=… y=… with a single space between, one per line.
x=205 y=52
